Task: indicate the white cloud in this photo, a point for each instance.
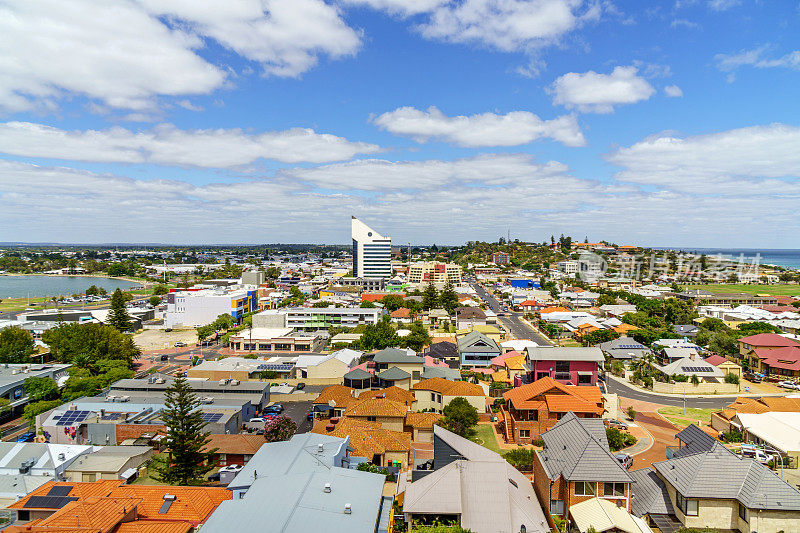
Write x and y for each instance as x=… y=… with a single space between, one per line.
x=507 y=25
x=167 y=145
x=591 y=92
x=485 y=129
x=745 y=162
x=51 y=49
x=677 y=23
x=723 y=5
x=673 y=91
x=399 y=7
x=755 y=58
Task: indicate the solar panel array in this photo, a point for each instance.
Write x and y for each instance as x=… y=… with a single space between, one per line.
x=111 y=416
x=72 y=417
x=59 y=490
x=284 y=367
x=48 y=502
x=631 y=346
x=211 y=417
x=695 y=369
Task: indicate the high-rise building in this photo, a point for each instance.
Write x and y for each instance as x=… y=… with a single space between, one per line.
x=372 y=252
x=422 y=273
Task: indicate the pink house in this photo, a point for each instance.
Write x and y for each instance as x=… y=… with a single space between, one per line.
x=570 y=366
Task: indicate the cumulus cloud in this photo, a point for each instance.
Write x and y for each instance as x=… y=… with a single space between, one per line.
x=755 y=58
x=484 y=129
x=742 y=163
x=592 y=92
x=723 y=5
x=673 y=91
x=168 y=145
x=399 y=7
x=145 y=48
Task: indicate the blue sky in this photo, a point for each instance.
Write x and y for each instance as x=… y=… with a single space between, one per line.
x=655 y=123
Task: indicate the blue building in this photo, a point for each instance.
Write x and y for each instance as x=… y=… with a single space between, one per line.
x=524 y=283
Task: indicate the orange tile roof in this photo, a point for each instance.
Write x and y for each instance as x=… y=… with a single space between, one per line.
x=781 y=404
x=401 y=313
x=99 y=514
x=422 y=420
x=377 y=407
x=366 y=438
x=343 y=396
x=192 y=504
x=81 y=491
x=562 y=403
x=153 y=526
x=502 y=376
x=553 y=310
x=235 y=444
x=450 y=388
x=624 y=328
x=393 y=393
x=534 y=395
x=515 y=363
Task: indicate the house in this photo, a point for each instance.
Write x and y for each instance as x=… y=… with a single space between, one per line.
x=358 y=379
x=434 y=394
x=473 y=486
x=763 y=342
x=108 y=462
x=39 y=459
x=598 y=514
x=686 y=330
x=725 y=365
x=401 y=316
x=624 y=349
x=517 y=345
x=718 y=489
x=370 y=441
x=469 y=317
x=445 y=351
x=693 y=365
x=410 y=365
x=303 y=484
x=572 y=366
x=395 y=394
x=331 y=367
x=334 y=399
x=420 y=426
x=616 y=310
x=721 y=420
x=779 y=431
x=477 y=349
x=233 y=449
x=577 y=465
x=388 y=413
x=532 y=409
x=669 y=355
x=771 y=354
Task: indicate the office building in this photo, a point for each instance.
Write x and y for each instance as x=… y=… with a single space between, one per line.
x=193 y=307
x=423 y=273
x=372 y=252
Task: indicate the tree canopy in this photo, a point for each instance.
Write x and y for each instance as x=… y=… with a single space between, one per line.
x=16 y=345
x=37 y=388
x=460 y=417
x=279 y=429
x=118 y=316
x=95 y=341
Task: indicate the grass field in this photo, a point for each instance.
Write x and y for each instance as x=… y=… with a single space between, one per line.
x=774 y=290
x=485 y=437
x=676 y=416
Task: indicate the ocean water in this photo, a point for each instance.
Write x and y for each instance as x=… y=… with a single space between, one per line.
x=784 y=258
x=34 y=286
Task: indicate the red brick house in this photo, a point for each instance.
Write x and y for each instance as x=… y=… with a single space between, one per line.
x=532 y=409
x=234 y=449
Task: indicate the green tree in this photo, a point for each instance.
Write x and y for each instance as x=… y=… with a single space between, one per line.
x=606 y=299
x=16 y=345
x=418 y=338
x=187 y=462
x=430 y=298
x=33 y=409
x=379 y=336
x=460 y=417
x=224 y=321
x=619 y=439
x=448 y=299
x=95 y=341
x=366 y=304
x=392 y=302
x=160 y=289
x=279 y=429
x=732 y=378
x=92 y=291
x=37 y=388
x=118 y=316
x=154 y=300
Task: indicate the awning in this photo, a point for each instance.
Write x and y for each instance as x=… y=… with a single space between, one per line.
x=128 y=474
x=585 y=373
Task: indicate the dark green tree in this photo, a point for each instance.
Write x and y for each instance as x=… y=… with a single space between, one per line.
x=392 y=302
x=418 y=338
x=94 y=341
x=379 y=336
x=160 y=289
x=448 y=299
x=606 y=299
x=430 y=298
x=118 y=316
x=16 y=345
x=40 y=388
x=154 y=300
x=460 y=417
x=187 y=461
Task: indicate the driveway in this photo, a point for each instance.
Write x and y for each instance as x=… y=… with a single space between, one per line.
x=297 y=411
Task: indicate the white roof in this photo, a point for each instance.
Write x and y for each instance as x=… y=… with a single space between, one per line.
x=780 y=430
x=518 y=345
x=603 y=515
x=263 y=333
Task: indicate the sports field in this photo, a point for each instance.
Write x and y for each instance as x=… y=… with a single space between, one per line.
x=773 y=290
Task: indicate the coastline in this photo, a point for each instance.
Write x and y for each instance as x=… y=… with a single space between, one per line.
x=122 y=278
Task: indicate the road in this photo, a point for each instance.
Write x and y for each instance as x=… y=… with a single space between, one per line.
x=626 y=391
x=512 y=321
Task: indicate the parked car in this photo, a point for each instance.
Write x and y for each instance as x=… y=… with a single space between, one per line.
x=180 y=344
x=617 y=424
x=310 y=415
x=27 y=437
x=257 y=420
x=762 y=456
x=275 y=407
x=231 y=468
x=625 y=460
x=165 y=357
x=300 y=386
x=214 y=476
x=789 y=385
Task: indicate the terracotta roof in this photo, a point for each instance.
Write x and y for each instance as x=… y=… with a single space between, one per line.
x=624 y=328
x=422 y=420
x=534 y=395
x=498 y=361
x=787 y=358
x=375 y=296
x=562 y=403
x=235 y=444
x=715 y=360
x=366 y=438
x=768 y=339
x=781 y=404
x=192 y=504
x=97 y=489
x=553 y=310
x=376 y=407
x=153 y=526
x=502 y=376
x=450 y=388
x=515 y=363
x=392 y=393
x=401 y=313
x=343 y=396
x=99 y=514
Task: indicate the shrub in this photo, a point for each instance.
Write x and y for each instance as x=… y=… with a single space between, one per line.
x=731 y=378
x=648 y=382
x=522 y=459
x=631 y=412
x=619 y=439
x=680 y=378
x=732 y=436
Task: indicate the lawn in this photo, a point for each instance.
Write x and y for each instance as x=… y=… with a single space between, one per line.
x=676 y=416
x=774 y=290
x=485 y=437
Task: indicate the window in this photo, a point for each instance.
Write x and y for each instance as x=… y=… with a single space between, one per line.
x=524 y=433
x=371 y=419
x=687 y=507
x=557 y=507
x=614 y=489
x=562 y=366
x=584 y=488
x=743 y=512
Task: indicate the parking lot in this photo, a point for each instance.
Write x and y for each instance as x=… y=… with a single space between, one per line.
x=158 y=339
x=297 y=411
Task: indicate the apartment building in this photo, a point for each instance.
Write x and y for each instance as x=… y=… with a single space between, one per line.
x=197 y=307
x=311 y=318
x=501 y=258
x=421 y=274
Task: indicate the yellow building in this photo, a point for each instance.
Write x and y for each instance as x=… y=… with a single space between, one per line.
x=424 y=273
x=434 y=394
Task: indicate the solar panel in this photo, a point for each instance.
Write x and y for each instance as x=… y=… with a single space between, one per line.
x=48 y=502
x=72 y=417
x=111 y=416
x=60 y=490
x=211 y=417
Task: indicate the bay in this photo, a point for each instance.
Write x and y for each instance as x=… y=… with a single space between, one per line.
x=36 y=286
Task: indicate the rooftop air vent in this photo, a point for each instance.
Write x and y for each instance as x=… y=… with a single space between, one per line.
x=348 y=508
x=326 y=488
x=320 y=448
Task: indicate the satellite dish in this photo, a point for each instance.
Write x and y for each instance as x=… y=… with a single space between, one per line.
x=332 y=403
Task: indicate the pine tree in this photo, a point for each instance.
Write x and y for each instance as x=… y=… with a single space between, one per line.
x=430 y=298
x=187 y=463
x=118 y=317
x=448 y=298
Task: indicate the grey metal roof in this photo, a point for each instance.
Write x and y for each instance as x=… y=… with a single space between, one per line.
x=393 y=355
x=470 y=450
x=623 y=348
x=721 y=474
x=649 y=494
x=199 y=386
x=475 y=341
x=358 y=373
x=393 y=374
x=577 y=449
x=442 y=349
x=430 y=372
x=694 y=440
x=297 y=502
x=544 y=353
x=687 y=366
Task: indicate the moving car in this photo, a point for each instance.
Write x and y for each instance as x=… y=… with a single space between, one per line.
x=165 y=357
x=180 y=344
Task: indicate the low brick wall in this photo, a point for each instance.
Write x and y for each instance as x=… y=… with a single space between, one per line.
x=688 y=388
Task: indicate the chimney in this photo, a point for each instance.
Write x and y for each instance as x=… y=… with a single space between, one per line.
x=320 y=448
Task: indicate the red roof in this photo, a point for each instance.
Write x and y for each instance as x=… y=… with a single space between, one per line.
x=780 y=308
x=768 y=339
x=502 y=357
x=401 y=313
x=788 y=358
x=715 y=360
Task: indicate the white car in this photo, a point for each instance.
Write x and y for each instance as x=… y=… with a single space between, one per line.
x=231 y=468
x=257 y=420
x=789 y=385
